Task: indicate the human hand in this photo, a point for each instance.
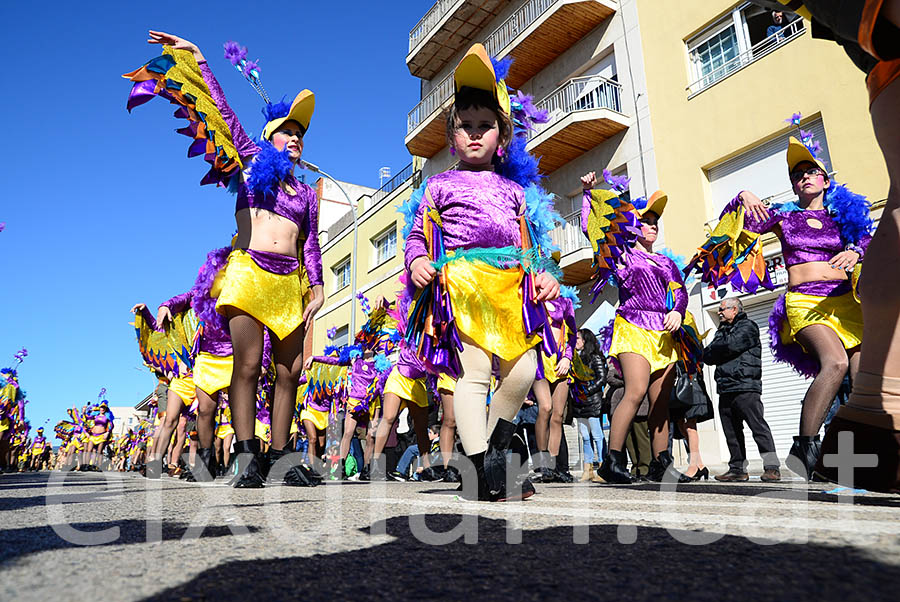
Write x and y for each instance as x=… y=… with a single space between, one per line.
x=307 y=364
x=421 y=272
x=588 y=180
x=138 y=307
x=315 y=303
x=562 y=367
x=547 y=287
x=672 y=321
x=754 y=206
x=163 y=314
x=161 y=37
x=845 y=260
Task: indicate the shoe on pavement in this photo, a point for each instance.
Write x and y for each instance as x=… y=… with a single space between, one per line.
x=396 y=476
x=733 y=476
x=771 y=475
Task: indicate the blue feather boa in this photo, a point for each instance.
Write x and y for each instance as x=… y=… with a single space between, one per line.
x=411 y=207
x=270 y=166
x=571 y=293
x=850 y=211
x=542 y=217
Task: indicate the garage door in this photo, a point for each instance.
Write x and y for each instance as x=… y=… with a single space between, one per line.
x=782 y=390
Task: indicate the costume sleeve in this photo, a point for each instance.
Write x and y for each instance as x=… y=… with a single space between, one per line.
x=679 y=292
x=569 y=318
x=149 y=318
x=242 y=142
x=415 y=246
x=178 y=303
x=312 y=253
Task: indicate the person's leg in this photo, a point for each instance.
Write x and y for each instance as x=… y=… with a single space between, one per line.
x=559 y=393
x=544 y=398
x=286 y=354
x=409 y=454
x=470 y=397
x=226 y=448
x=513 y=388
x=595 y=424
x=247 y=343
x=178 y=446
x=644 y=449
x=163 y=437
x=659 y=390
x=584 y=430
x=391 y=409
x=349 y=428
x=448 y=428
x=636 y=372
x=420 y=425
x=206 y=419
x=312 y=440
x=370 y=440
x=733 y=429
x=824 y=343
x=751 y=409
x=689 y=430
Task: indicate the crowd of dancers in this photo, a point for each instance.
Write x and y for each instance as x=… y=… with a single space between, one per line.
x=481 y=323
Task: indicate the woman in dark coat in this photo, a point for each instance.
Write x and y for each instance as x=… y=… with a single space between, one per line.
x=589 y=413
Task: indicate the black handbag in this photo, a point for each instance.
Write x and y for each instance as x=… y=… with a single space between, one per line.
x=689 y=392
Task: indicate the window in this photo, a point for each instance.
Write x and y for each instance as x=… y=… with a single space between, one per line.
x=341 y=274
x=385 y=245
x=744 y=35
x=341 y=336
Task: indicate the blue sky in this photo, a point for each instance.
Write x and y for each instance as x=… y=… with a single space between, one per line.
x=103 y=209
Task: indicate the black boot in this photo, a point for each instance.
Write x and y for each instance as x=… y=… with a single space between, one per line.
x=661 y=468
x=481 y=489
x=496 y=467
x=614 y=468
x=297 y=475
x=205 y=468
x=250 y=462
x=803 y=456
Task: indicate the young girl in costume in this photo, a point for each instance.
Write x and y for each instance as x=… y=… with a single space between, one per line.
x=274 y=276
x=652 y=306
x=817 y=325
x=551 y=386
x=474 y=249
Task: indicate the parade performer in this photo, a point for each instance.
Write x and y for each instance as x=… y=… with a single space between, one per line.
x=40 y=450
x=477 y=248
x=817 y=325
x=224 y=436
x=649 y=319
x=100 y=424
x=551 y=386
x=12 y=409
x=274 y=276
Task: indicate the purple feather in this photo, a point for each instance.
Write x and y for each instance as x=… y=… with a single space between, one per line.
x=617 y=183
x=252 y=67
x=794 y=119
x=331 y=332
x=203 y=304
x=791 y=353
x=2 y=226
x=234 y=52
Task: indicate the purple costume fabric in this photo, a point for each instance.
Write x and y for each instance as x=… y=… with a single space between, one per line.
x=409 y=364
x=562 y=313
x=643 y=280
x=212 y=340
x=800 y=242
x=478 y=209
x=302 y=208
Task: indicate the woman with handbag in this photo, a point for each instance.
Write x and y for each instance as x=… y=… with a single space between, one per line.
x=589 y=410
x=689 y=405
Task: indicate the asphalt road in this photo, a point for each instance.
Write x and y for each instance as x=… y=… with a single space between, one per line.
x=120 y=537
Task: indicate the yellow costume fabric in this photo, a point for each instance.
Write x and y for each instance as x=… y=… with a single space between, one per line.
x=656 y=346
x=317 y=417
x=487 y=305
x=550 y=364
x=224 y=428
x=4 y=425
x=97 y=439
x=276 y=300
x=184 y=388
x=843 y=314
x=262 y=431
x=445 y=383
x=406 y=388
x=212 y=373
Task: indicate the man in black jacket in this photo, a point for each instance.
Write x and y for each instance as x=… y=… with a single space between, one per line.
x=737 y=355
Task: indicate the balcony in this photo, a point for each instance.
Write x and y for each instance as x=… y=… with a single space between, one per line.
x=575 y=251
x=541 y=30
x=446 y=28
x=749 y=56
x=534 y=36
x=584 y=112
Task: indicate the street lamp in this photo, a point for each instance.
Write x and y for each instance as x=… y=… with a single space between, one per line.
x=315 y=168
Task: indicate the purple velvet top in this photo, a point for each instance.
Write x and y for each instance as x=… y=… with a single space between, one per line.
x=800 y=241
x=478 y=209
x=562 y=314
x=301 y=208
x=409 y=364
x=643 y=285
x=361 y=376
x=212 y=340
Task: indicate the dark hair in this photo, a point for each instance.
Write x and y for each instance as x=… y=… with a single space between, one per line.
x=468 y=98
x=591 y=346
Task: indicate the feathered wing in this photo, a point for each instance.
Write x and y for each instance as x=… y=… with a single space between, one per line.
x=175 y=76
x=732 y=254
x=611 y=224
x=326 y=387
x=171 y=351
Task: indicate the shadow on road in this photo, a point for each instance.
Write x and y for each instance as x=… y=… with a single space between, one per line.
x=548 y=565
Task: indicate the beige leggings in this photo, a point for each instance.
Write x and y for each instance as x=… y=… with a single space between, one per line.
x=473 y=423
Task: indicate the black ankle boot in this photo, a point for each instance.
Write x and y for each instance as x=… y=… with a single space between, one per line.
x=661 y=468
x=805 y=453
x=251 y=469
x=496 y=467
x=614 y=468
x=297 y=475
x=205 y=467
x=481 y=489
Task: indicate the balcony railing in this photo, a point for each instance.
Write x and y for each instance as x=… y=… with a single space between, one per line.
x=515 y=24
x=569 y=237
x=428 y=105
x=754 y=53
x=427 y=23
x=580 y=94
x=395 y=182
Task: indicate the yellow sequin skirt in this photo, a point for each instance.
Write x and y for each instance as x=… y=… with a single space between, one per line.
x=97 y=439
x=656 y=346
x=487 y=305
x=407 y=389
x=262 y=431
x=276 y=300
x=550 y=364
x=842 y=314
x=212 y=373
x=223 y=430
x=445 y=383
x=317 y=417
x=185 y=389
